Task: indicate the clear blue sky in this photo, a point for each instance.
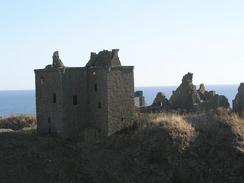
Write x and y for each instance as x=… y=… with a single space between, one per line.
x=163 y=39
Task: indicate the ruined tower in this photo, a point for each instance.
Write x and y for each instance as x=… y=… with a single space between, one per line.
x=91 y=101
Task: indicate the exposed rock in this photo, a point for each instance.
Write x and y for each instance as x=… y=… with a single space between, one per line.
x=185 y=97
x=238 y=102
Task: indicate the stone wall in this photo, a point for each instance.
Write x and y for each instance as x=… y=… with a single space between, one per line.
x=120 y=98
x=75 y=96
x=139 y=99
x=49 y=101
x=238 y=102
x=95 y=100
x=185 y=97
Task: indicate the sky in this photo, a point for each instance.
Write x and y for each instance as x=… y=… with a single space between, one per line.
x=163 y=39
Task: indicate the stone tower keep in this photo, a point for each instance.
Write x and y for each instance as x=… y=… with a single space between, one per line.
x=95 y=100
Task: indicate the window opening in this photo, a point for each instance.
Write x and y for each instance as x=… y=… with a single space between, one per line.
x=99 y=105
x=54 y=98
x=75 y=102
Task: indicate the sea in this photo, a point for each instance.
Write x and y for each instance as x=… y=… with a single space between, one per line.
x=23 y=101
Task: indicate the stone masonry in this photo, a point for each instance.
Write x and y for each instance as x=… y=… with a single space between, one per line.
x=139 y=99
x=185 y=97
x=238 y=102
x=91 y=102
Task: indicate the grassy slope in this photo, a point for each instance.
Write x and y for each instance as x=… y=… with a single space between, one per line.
x=171 y=148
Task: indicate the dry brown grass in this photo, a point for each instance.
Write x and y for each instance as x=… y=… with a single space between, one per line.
x=176 y=124
x=218 y=119
x=17 y=122
x=179 y=130
x=237 y=124
x=170 y=120
x=219 y=124
x=169 y=148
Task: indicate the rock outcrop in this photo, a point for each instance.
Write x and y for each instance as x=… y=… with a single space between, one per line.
x=238 y=102
x=186 y=96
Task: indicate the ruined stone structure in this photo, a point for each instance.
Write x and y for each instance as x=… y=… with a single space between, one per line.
x=215 y=102
x=185 y=97
x=91 y=101
x=139 y=99
x=211 y=100
x=238 y=102
x=203 y=94
x=161 y=102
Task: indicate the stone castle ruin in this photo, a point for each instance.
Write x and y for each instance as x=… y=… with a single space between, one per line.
x=238 y=102
x=98 y=100
x=186 y=98
x=92 y=101
x=139 y=99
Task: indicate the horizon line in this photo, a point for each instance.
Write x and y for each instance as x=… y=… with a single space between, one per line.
x=146 y=86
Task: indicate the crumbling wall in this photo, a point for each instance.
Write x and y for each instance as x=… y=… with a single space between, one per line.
x=185 y=97
x=73 y=101
x=139 y=99
x=238 y=102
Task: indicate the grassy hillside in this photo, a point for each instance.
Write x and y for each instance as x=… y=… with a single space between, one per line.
x=164 y=148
